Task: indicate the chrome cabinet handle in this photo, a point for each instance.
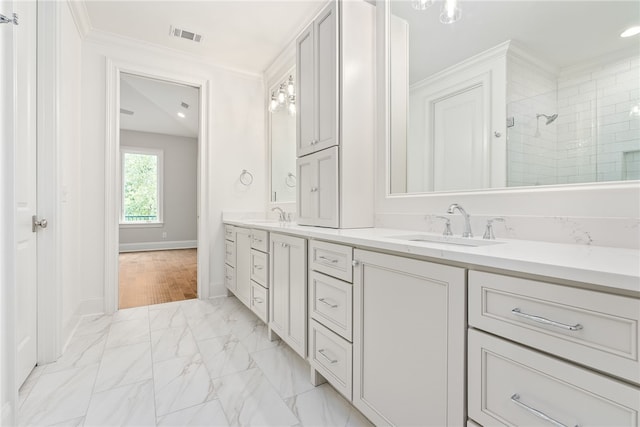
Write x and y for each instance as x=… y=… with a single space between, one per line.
x=323 y=300
x=35 y=223
x=331 y=260
x=284 y=245
x=516 y=399
x=258 y=300
x=314 y=189
x=313 y=142
x=255 y=239
x=355 y=263
x=258 y=267
x=330 y=360
x=9 y=20
x=545 y=321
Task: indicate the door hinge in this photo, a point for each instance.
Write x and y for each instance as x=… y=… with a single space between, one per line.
x=5 y=20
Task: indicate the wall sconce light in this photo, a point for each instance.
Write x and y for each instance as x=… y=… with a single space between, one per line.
x=449 y=13
x=284 y=98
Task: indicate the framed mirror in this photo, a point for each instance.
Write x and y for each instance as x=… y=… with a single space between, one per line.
x=282 y=138
x=511 y=94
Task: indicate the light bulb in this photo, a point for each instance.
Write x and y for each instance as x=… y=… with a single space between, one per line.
x=630 y=32
x=291 y=89
x=421 y=4
x=281 y=96
x=292 y=109
x=451 y=12
x=273 y=104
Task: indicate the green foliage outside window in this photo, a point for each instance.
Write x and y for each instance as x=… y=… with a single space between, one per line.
x=140 y=173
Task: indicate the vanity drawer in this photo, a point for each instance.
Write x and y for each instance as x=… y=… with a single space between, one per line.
x=591 y=328
x=229 y=277
x=331 y=303
x=260 y=267
x=332 y=356
x=260 y=240
x=230 y=253
x=230 y=233
x=329 y=258
x=259 y=301
x=508 y=383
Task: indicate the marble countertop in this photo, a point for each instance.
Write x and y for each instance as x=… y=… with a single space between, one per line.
x=603 y=266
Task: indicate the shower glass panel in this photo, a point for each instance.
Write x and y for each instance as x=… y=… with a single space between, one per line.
x=595 y=136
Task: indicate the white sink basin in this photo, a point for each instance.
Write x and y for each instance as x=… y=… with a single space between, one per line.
x=446 y=240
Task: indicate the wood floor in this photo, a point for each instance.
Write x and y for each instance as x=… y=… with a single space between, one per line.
x=158 y=276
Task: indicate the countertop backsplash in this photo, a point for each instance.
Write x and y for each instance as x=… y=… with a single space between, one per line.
x=612 y=232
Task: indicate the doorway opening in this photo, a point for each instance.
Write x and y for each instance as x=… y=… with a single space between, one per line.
x=158 y=191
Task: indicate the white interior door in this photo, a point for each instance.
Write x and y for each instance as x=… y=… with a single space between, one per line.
x=24 y=68
x=458 y=141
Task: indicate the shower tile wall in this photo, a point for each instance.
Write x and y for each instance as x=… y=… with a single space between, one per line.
x=596 y=131
x=595 y=138
x=531 y=149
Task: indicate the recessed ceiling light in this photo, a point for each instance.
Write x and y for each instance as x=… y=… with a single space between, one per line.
x=631 y=31
x=181 y=115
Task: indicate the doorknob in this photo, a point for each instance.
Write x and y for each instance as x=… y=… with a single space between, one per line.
x=35 y=223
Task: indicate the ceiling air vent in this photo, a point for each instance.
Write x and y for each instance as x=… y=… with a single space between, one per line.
x=184 y=34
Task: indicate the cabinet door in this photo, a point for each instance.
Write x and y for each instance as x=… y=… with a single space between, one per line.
x=306 y=138
x=326 y=76
x=306 y=197
x=243 y=265
x=288 y=303
x=297 y=337
x=327 y=188
x=409 y=341
x=278 y=305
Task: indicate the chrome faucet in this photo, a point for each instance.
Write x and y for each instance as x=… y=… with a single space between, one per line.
x=281 y=213
x=467 y=223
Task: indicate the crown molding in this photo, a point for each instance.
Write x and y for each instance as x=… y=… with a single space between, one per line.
x=80 y=16
x=127 y=43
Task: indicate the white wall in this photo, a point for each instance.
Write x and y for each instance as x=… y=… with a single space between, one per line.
x=180 y=168
x=70 y=167
x=235 y=141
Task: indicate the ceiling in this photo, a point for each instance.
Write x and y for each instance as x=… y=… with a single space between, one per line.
x=244 y=35
x=155 y=105
x=562 y=33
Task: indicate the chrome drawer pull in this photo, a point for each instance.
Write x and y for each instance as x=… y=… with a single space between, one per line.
x=258 y=300
x=516 y=399
x=328 y=303
x=331 y=260
x=542 y=320
x=330 y=360
x=258 y=267
x=284 y=245
x=257 y=240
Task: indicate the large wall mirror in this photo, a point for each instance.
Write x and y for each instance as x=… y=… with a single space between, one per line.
x=282 y=138
x=511 y=94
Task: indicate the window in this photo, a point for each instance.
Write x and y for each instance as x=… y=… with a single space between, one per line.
x=141 y=186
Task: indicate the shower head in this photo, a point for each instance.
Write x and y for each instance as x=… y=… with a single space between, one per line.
x=550 y=119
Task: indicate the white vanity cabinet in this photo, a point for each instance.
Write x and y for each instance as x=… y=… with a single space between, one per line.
x=243 y=265
x=229 y=257
x=330 y=314
x=589 y=338
x=336 y=117
x=288 y=291
x=248 y=277
x=408 y=341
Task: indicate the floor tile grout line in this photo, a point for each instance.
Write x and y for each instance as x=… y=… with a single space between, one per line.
x=95 y=380
x=153 y=374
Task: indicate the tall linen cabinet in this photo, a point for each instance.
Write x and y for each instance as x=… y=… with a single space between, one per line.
x=335 y=137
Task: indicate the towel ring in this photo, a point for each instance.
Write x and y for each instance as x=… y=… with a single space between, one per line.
x=290 y=180
x=246 y=178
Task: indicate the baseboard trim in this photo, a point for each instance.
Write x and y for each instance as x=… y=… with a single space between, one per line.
x=158 y=246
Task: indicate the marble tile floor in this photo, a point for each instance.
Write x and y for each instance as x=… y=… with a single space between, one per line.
x=186 y=363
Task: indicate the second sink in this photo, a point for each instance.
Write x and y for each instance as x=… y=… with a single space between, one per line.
x=447 y=240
